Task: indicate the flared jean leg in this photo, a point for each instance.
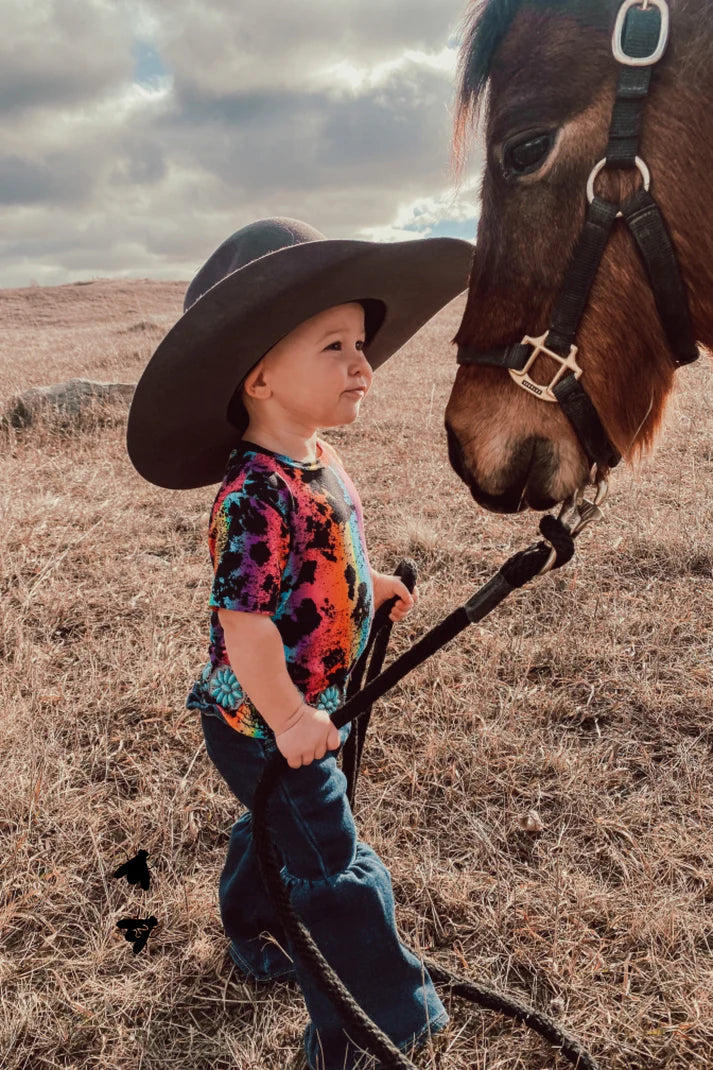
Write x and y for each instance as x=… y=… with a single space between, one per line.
x=384 y=977
x=342 y=891
x=258 y=943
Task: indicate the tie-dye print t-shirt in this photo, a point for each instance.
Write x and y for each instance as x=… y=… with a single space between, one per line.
x=286 y=538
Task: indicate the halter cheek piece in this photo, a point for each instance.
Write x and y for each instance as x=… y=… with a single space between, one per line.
x=639 y=41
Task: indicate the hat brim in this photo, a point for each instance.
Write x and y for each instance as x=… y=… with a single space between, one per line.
x=178 y=434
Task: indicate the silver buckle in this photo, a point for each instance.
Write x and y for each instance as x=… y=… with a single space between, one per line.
x=539 y=390
x=618 y=36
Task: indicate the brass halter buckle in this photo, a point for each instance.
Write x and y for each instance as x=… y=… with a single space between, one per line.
x=539 y=390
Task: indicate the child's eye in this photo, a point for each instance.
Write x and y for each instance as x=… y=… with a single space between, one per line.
x=360 y=345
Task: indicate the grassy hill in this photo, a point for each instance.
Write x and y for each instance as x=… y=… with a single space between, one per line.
x=587 y=697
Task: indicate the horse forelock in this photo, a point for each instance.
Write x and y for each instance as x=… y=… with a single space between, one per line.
x=489 y=21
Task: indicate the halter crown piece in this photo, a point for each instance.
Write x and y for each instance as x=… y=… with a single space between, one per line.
x=639 y=41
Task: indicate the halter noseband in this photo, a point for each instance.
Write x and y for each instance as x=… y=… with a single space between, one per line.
x=639 y=41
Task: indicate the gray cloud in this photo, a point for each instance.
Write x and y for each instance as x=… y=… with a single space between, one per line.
x=272 y=44
x=57 y=178
x=24 y=182
x=391 y=134
x=100 y=175
x=139 y=161
x=60 y=52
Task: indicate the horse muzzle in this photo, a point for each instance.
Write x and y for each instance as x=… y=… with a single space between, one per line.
x=527 y=477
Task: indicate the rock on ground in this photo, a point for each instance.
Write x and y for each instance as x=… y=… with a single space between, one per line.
x=70 y=399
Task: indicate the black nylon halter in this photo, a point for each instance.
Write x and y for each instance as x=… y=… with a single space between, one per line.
x=640 y=37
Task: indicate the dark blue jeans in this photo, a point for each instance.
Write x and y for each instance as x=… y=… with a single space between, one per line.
x=339 y=888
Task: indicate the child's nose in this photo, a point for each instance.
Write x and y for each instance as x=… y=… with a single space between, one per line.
x=365 y=366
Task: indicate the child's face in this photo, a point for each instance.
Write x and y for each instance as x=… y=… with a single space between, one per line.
x=310 y=372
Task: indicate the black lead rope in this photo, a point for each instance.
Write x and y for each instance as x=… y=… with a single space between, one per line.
x=516 y=572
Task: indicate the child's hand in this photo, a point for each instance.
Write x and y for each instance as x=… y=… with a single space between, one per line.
x=385 y=587
x=310 y=737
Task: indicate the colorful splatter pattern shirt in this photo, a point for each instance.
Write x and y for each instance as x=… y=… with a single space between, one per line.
x=286 y=539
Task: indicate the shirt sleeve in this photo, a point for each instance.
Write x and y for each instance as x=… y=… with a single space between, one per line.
x=250 y=541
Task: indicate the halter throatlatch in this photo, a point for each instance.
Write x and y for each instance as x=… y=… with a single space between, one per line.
x=639 y=40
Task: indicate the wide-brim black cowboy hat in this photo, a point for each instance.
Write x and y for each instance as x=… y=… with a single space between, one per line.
x=259 y=285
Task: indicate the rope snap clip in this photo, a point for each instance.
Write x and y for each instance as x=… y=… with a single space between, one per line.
x=577 y=512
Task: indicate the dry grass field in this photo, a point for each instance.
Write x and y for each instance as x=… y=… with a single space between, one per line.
x=586 y=697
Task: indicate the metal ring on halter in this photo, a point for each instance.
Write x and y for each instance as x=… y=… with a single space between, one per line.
x=577 y=512
x=618 y=36
x=643 y=171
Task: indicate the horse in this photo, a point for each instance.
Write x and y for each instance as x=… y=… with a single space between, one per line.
x=540 y=77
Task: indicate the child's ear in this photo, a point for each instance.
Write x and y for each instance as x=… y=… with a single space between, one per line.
x=254 y=383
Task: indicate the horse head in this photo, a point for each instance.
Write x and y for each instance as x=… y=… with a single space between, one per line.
x=542 y=77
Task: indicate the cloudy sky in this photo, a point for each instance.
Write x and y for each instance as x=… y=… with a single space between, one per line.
x=138 y=134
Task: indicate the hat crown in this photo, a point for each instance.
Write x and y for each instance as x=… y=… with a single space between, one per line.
x=251 y=242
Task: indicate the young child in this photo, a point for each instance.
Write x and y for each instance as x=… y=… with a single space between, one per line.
x=281 y=334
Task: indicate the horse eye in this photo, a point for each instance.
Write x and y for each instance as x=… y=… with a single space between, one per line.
x=523 y=155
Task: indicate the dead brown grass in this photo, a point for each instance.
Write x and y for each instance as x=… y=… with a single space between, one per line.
x=586 y=697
